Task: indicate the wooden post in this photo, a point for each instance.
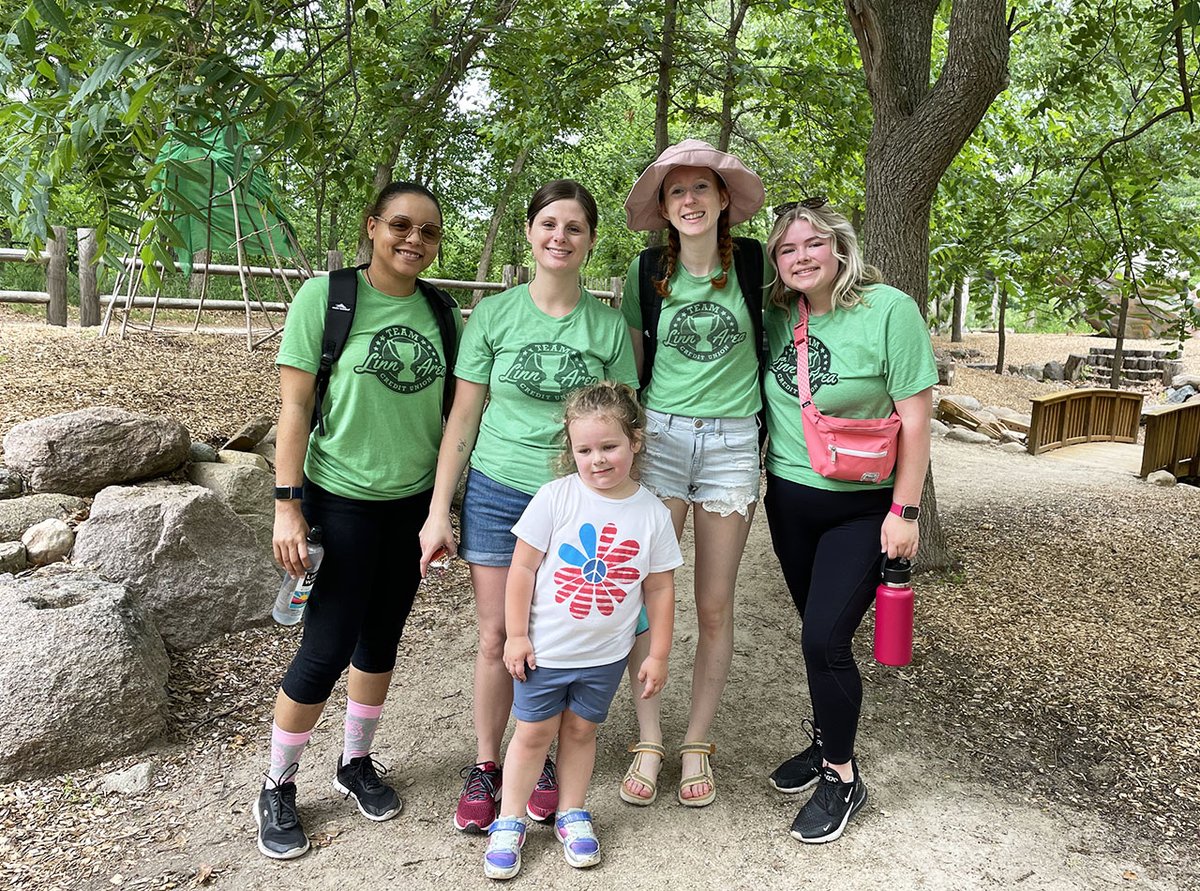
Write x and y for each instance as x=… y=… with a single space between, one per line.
x=334 y=260
x=508 y=276
x=89 y=293
x=522 y=275
x=616 y=284
x=56 y=278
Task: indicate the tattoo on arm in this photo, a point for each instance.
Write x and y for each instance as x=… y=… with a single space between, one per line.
x=462 y=445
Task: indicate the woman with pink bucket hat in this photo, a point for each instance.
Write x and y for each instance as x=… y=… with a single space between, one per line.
x=694 y=307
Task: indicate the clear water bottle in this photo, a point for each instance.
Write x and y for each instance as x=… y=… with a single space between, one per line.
x=293 y=594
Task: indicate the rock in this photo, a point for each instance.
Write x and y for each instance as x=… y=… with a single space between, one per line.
x=1032 y=370
x=1012 y=436
x=999 y=411
x=83 y=451
x=248 y=490
x=1181 y=395
x=12 y=556
x=1054 y=371
x=48 y=541
x=970 y=403
x=267 y=450
x=1186 y=380
x=1013 y=448
x=10 y=483
x=985 y=416
x=249 y=436
x=226 y=456
x=130 y=781
x=1162 y=478
x=1073 y=370
x=85 y=673
x=18 y=514
x=271 y=434
x=192 y=563
x=937 y=428
x=962 y=434
x=201 y=453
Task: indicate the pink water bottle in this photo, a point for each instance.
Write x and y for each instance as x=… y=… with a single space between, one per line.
x=894 y=614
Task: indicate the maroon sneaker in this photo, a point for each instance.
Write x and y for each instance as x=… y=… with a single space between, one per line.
x=477 y=804
x=544 y=800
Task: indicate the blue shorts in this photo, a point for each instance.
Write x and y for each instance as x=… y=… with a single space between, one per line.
x=643 y=623
x=489 y=511
x=547 y=692
x=712 y=462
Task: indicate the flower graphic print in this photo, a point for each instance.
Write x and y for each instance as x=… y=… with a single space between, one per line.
x=595 y=574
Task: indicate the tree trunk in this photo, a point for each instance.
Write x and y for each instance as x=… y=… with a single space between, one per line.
x=1001 y=331
x=666 y=61
x=934 y=551
x=1119 y=348
x=489 y=243
x=737 y=15
x=959 y=309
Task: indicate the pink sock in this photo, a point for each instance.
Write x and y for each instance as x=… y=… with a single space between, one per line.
x=361 y=721
x=285 y=752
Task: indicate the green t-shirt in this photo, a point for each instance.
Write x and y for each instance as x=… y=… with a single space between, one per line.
x=383 y=409
x=705 y=364
x=530 y=362
x=861 y=361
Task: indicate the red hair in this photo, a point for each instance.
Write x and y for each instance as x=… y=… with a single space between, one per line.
x=671 y=256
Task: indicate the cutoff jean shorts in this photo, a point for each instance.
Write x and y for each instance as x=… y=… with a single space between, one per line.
x=712 y=462
x=489 y=511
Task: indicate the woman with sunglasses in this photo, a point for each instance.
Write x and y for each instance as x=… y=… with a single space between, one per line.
x=524 y=351
x=868 y=353
x=365 y=477
x=699 y=365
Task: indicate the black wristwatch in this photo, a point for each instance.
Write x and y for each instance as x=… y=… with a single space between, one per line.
x=288 y=493
x=906 y=511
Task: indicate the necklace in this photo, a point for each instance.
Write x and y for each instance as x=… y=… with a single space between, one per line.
x=367 y=276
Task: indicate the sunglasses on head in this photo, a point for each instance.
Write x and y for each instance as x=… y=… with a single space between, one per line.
x=810 y=203
x=431 y=233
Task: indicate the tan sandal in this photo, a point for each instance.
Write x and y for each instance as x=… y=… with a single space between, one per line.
x=704 y=750
x=634 y=773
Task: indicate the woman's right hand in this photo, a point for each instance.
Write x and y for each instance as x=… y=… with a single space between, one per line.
x=436 y=534
x=290 y=538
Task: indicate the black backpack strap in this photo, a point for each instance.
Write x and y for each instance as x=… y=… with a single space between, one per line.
x=339 y=316
x=650 y=267
x=444 y=306
x=748 y=263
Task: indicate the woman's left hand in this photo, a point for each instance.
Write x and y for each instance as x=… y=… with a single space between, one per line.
x=899 y=537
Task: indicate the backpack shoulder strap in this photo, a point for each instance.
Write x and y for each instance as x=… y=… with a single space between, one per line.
x=444 y=306
x=650 y=264
x=339 y=316
x=748 y=263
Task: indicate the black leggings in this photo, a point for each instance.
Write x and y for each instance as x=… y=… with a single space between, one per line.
x=828 y=546
x=364 y=589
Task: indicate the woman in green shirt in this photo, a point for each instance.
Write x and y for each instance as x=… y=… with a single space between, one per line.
x=524 y=351
x=702 y=396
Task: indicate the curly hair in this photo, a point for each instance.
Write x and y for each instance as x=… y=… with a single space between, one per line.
x=854 y=275
x=606 y=399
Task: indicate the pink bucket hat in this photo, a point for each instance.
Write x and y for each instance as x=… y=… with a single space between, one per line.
x=746 y=194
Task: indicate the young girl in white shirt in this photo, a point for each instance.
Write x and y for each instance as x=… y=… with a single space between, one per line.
x=591 y=548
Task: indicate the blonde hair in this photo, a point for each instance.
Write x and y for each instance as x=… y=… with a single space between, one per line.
x=608 y=399
x=853 y=276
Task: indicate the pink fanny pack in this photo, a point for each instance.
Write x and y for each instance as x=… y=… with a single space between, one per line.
x=858 y=450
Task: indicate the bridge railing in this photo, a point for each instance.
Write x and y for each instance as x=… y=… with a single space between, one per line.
x=1173 y=441
x=1088 y=415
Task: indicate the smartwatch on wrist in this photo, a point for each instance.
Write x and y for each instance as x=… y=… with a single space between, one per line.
x=288 y=493
x=905 y=511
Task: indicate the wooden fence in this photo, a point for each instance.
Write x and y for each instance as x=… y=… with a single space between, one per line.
x=1173 y=441
x=1089 y=415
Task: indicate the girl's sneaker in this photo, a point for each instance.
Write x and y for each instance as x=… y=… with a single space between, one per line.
x=581 y=848
x=503 y=857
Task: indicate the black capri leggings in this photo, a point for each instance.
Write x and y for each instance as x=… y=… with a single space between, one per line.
x=828 y=546
x=364 y=590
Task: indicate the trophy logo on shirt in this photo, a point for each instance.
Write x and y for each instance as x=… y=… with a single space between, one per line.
x=819 y=360
x=548 y=371
x=704 y=331
x=403 y=359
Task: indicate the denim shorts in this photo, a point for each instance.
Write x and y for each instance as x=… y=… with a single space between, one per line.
x=712 y=462
x=547 y=692
x=489 y=511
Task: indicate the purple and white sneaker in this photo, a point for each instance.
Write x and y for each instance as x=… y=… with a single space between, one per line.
x=581 y=848
x=502 y=860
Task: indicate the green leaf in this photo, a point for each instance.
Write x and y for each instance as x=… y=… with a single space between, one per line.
x=52 y=14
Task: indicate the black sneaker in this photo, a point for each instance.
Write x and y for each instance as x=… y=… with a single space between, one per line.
x=360 y=780
x=824 y=817
x=280 y=835
x=801 y=771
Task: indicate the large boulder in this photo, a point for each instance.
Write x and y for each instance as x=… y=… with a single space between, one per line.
x=189 y=559
x=248 y=490
x=83 y=451
x=85 y=673
x=10 y=483
x=18 y=514
x=12 y=556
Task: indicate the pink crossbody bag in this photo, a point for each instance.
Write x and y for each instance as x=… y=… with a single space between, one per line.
x=857 y=450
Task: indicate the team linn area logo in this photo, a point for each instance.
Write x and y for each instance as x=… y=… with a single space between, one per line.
x=704 y=332
x=403 y=359
x=784 y=368
x=548 y=371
